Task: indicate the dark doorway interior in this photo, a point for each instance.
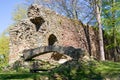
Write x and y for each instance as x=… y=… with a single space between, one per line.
x=52 y=39
x=38 y=21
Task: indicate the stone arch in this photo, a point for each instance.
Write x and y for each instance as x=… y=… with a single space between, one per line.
x=52 y=39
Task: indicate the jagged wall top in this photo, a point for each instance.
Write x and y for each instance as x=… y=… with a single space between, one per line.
x=38 y=11
x=40 y=27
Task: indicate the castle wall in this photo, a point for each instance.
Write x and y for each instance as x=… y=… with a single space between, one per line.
x=36 y=31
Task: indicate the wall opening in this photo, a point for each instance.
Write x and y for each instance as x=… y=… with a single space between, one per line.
x=52 y=39
x=38 y=21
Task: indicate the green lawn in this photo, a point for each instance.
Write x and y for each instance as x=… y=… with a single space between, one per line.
x=86 y=71
x=21 y=76
x=109 y=69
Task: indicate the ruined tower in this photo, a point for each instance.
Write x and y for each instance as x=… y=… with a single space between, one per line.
x=44 y=27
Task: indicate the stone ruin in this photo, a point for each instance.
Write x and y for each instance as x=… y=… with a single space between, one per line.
x=45 y=35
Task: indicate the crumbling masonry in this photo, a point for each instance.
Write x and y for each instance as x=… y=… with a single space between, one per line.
x=44 y=27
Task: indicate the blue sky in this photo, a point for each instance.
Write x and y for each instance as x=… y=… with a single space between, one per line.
x=6 y=9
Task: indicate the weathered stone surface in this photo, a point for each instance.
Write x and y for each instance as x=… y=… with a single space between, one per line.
x=69 y=51
x=44 y=27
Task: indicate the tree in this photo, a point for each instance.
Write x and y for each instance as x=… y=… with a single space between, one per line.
x=111 y=20
x=19 y=13
x=96 y=6
x=75 y=9
x=4 y=48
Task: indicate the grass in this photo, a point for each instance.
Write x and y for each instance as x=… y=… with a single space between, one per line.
x=21 y=76
x=92 y=70
x=108 y=68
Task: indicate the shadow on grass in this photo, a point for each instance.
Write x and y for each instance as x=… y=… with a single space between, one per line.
x=74 y=70
x=21 y=76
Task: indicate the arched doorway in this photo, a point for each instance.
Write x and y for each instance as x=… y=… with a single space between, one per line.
x=52 y=39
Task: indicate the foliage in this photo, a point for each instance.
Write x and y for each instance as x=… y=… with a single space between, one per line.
x=107 y=15
x=19 y=12
x=110 y=18
x=4 y=49
x=75 y=70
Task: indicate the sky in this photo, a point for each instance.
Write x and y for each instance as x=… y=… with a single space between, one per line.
x=6 y=9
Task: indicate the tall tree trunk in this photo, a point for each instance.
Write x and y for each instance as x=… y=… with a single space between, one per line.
x=114 y=31
x=98 y=16
x=115 y=43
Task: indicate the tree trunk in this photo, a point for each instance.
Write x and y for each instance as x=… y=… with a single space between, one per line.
x=98 y=16
x=114 y=31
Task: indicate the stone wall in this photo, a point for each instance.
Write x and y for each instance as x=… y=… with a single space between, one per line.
x=44 y=27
